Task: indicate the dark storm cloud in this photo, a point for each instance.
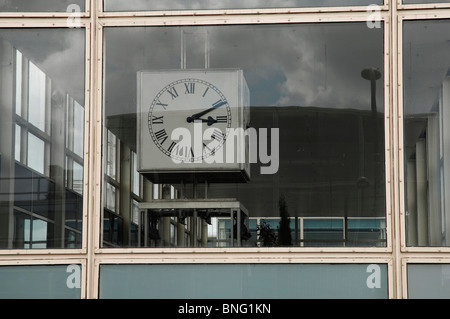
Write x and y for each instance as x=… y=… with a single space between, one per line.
x=59 y=53
x=302 y=65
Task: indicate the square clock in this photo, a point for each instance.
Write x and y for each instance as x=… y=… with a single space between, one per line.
x=192 y=126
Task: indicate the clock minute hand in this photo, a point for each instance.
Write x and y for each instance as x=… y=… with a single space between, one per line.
x=197 y=115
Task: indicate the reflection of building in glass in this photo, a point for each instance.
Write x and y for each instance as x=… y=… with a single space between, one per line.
x=331 y=175
x=42 y=166
x=426 y=190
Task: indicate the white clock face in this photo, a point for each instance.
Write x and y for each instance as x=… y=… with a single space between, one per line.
x=183 y=104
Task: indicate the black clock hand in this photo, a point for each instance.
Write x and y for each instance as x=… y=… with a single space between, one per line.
x=210 y=120
x=198 y=115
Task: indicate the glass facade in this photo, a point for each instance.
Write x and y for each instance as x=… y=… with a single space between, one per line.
x=304 y=80
x=243 y=281
x=425 y=62
x=40 y=282
x=301 y=145
x=42 y=6
x=142 y=5
x=42 y=167
x=428 y=281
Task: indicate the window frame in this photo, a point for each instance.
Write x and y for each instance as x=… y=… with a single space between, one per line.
x=48 y=21
x=258 y=19
x=396 y=254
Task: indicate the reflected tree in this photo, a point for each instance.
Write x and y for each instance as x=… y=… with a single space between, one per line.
x=285 y=238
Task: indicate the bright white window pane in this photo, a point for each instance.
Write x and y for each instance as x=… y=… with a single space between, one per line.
x=18 y=143
x=26 y=233
x=18 y=83
x=111 y=158
x=77 y=178
x=36 y=97
x=155 y=191
x=39 y=234
x=136 y=179
x=110 y=197
x=78 y=129
x=36 y=153
x=135 y=217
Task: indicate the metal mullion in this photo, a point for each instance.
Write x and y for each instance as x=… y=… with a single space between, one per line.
x=424 y=14
x=429 y=6
x=353 y=16
x=232 y=12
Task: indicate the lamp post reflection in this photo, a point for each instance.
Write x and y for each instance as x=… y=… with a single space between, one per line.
x=372 y=75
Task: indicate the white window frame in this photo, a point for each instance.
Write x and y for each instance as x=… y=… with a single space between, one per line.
x=396 y=254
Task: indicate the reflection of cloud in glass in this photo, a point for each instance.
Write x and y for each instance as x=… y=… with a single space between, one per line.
x=39 y=233
x=38 y=5
x=285 y=65
x=116 y=5
x=59 y=53
x=426 y=60
x=36 y=151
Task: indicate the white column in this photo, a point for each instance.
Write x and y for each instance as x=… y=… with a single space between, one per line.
x=445 y=153
x=422 y=202
x=411 y=195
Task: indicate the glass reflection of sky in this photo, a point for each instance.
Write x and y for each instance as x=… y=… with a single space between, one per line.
x=131 y=5
x=39 y=5
x=315 y=65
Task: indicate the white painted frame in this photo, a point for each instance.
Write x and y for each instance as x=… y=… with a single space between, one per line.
x=396 y=255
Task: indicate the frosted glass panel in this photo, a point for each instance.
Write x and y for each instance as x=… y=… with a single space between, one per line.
x=428 y=281
x=235 y=281
x=40 y=282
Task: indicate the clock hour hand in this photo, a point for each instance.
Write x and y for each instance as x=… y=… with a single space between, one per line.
x=209 y=120
x=198 y=115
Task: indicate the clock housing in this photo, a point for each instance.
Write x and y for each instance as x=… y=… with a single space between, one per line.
x=208 y=106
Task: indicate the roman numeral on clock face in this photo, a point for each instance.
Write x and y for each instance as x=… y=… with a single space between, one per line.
x=172 y=147
x=157 y=119
x=161 y=136
x=173 y=92
x=163 y=105
x=218 y=135
x=189 y=88
x=221 y=119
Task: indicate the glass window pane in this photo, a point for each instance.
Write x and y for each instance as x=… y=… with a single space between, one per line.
x=37 y=106
x=110 y=197
x=112 y=155
x=19 y=82
x=40 y=282
x=423 y=1
x=41 y=5
x=426 y=124
x=47 y=65
x=78 y=129
x=428 y=281
x=139 y=5
x=323 y=232
x=77 y=178
x=136 y=176
x=244 y=281
x=18 y=143
x=36 y=153
x=312 y=100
